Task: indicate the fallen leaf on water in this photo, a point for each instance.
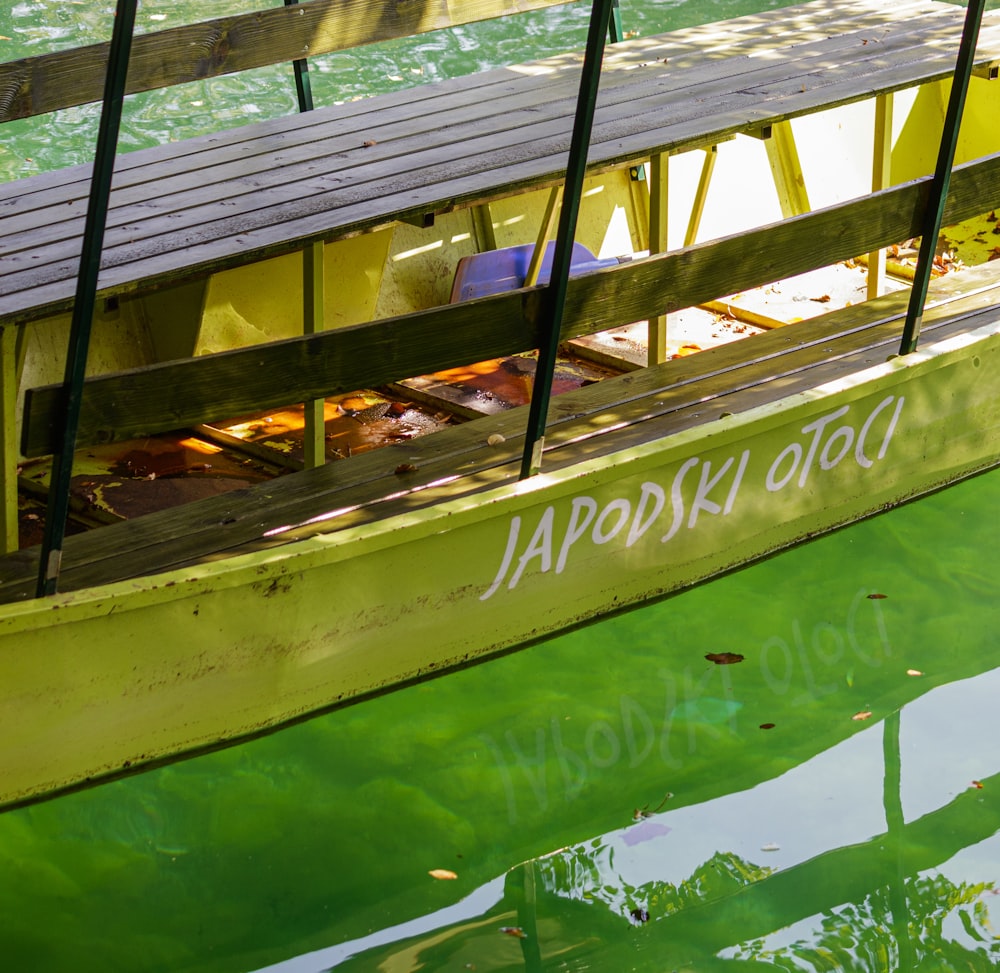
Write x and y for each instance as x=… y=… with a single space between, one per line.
x=515 y=931
x=767 y=726
x=914 y=672
x=875 y=596
x=441 y=873
x=724 y=658
x=863 y=715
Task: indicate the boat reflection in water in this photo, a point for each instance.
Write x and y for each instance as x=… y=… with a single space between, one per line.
x=611 y=800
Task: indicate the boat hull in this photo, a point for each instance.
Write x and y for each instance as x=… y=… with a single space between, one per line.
x=104 y=681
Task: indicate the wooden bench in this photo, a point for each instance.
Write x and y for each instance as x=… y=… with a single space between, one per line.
x=186 y=209
x=437 y=149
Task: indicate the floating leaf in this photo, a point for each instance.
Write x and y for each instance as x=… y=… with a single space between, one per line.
x=863 y=715
x=515 y=931
x=724 y=658
x=767 y=726
x=442 y=873
x=875 y=596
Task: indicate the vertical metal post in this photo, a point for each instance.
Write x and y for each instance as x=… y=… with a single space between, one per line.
x=658 y=183
x=615 y=33
x=9 y=380
x=313 y=297
x=86 y=293
x=554 y=298
x=938 y=195
x=314 y=300
x=303 y=89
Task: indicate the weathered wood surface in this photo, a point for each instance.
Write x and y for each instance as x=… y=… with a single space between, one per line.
x=63 y=79
x=177 y=394
x=185 y=210
x=646 y=404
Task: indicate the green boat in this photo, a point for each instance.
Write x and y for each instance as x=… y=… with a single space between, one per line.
x=371 y=262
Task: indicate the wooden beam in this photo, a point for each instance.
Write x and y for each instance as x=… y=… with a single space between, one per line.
x=881 y=166
x=544 y=232
x=63 y=79
x=786 y=169
x=701 y=194
x=176 y=394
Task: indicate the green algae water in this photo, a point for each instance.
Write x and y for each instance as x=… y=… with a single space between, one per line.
x=608 y=800
x=794 y=767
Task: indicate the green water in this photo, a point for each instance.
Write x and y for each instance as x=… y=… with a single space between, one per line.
x=822 y=842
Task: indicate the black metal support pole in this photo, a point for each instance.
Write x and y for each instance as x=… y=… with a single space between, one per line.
x=938 y=195
x=616 y=33
x=86 y=294
x=555 y=294
x=303 y=89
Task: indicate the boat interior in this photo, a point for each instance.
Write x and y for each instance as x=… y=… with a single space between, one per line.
x=310 y=323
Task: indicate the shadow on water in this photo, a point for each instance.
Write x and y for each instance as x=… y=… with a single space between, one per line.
x=611 y=799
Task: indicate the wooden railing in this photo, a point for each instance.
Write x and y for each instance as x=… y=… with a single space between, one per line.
x=176 y=394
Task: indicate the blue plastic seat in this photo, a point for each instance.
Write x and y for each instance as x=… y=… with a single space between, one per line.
x=496 y=271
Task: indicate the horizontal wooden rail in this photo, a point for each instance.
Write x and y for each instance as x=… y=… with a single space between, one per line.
x=176 y=394
x=63 y=79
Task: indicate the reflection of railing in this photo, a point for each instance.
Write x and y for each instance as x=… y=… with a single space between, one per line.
x=818 y=886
